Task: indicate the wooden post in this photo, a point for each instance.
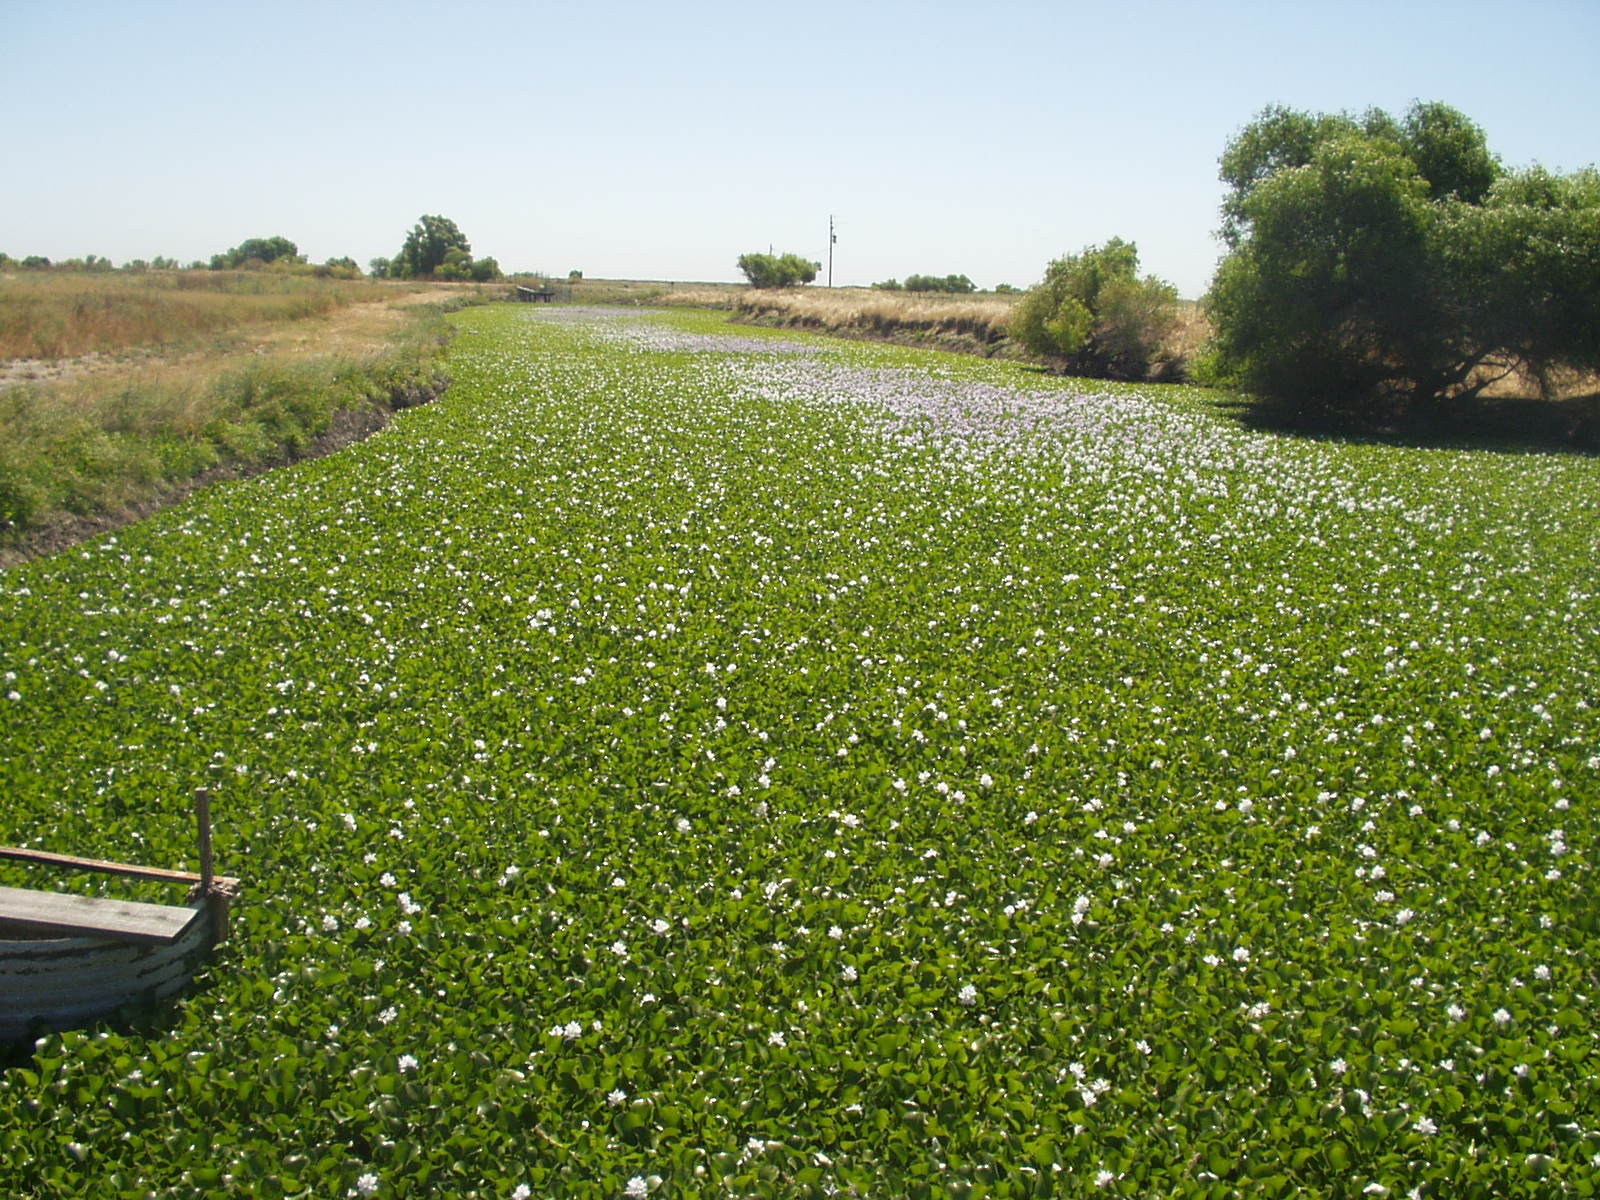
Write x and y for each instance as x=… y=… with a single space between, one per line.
x=213 y=897
x=202 y=812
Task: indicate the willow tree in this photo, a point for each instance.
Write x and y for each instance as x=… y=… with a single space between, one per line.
x=1377 y=261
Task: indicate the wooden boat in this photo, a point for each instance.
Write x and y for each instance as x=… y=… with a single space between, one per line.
x=69 y=960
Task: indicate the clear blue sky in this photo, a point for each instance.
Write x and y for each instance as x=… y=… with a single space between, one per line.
x=660 y=140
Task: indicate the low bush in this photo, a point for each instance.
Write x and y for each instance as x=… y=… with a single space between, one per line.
x=1094 y=315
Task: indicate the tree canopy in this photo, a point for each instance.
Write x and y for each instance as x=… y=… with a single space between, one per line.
x=777 y=270
x=955 y=284
x=1378 y=260
x=259 y=250
x=436 y=249
x=428 y=246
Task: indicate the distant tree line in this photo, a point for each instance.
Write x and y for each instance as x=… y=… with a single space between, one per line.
x=434 y=249
x=258 y=252
x=952 y=284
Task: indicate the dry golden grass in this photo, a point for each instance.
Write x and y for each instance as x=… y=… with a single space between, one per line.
x=46 y=315
x=704 y=295
x=108 y=431
x=977 y=319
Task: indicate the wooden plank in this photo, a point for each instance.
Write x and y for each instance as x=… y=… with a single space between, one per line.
x=128 y=870
x=91 y=916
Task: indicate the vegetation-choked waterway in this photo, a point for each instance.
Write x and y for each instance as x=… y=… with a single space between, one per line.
x=697 y=761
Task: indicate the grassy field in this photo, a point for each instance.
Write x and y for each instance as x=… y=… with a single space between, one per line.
x=47 y=316
x=154 y=380
x=701 y=760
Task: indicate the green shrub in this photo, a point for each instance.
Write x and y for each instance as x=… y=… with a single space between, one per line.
x=1094 y=315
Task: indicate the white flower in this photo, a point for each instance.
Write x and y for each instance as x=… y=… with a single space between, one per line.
x=388 y=1015
x=636 y=1187
x=408 y=1062
x=1541 y=973
x=986 y=780
x=330 y=923
x=1241 y=954
x=1502 y=1017
x=1425 y=1126
x=848 y=973
x=968 y=995
x=1104 y=1178
x=1337 y=1066
x=776 y=1038
x=571 y=1030
x=367 y=1184
x=1455 y=1012
x=616 y=1097
x=521 y=1192
x=683 y=825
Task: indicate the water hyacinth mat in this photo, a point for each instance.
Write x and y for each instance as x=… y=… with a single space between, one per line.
x=696 y=761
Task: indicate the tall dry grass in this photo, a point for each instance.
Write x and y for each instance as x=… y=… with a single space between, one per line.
x=46 y=315
x=976 y=321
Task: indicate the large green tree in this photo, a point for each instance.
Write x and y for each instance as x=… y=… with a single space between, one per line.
x=427 y=247
x=1379 y=261
x=777 y=270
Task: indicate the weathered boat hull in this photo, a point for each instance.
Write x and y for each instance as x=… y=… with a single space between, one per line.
x=54 y=983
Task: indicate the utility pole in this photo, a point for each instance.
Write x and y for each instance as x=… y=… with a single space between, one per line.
x=832 y=238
